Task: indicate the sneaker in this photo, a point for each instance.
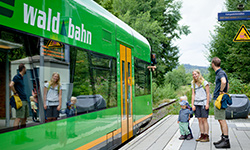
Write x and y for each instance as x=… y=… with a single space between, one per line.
x=182 y=137
x=201 y=137
x=205 y=138
x=189 y=137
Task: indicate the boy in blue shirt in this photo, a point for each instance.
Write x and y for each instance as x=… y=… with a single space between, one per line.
x=71 y=107
x=184 y=98
x=183 y=118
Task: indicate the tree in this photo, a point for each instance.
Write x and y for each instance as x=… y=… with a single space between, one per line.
x=177 y=77
x=157 y=20
x=234 y=55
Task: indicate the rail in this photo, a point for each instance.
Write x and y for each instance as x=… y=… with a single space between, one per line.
x=165 y=104
x=158 y=114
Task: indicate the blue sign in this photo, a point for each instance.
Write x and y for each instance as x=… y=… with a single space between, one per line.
x=234 y=15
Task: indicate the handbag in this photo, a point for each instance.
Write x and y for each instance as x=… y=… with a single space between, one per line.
x=217 y=102
x=15 y=102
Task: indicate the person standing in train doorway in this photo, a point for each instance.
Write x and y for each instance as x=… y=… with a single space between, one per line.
x=221 y=86
x=200 y=103
x=53 y=97
x=17 y=87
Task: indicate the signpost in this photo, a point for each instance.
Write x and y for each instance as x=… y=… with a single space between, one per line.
x=234 y=15
x=243 y=34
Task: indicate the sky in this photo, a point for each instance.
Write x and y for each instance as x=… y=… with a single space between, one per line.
x=201 y=17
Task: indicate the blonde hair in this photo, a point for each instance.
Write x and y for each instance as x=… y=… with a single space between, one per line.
x=183 y=98
x=73 y=98
x=57 y=82
x=200 y=78
x=32 y=98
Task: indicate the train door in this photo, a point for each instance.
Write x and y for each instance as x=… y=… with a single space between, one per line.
x=126 y=92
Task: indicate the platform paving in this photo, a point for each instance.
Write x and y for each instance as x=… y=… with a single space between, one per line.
x=165 y=136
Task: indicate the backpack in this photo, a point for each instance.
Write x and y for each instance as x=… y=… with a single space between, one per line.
x=191 y=115
x=210 y=95
x=222 y=101
x=58 y=87
x=190 y=108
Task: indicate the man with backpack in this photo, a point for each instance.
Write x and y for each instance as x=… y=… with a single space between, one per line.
x=17 y=87
x=221 y=86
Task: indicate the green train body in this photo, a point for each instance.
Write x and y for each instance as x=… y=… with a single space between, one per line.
x=87 y=29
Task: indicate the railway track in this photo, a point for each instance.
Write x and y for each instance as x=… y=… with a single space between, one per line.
x=158 y=113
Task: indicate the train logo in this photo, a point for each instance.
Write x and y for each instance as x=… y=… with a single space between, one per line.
x=48 y=21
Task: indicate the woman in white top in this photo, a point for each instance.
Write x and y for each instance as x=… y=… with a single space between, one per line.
x=53 y=97
x=200 y=103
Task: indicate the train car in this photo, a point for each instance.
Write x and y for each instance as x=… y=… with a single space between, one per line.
x=101 y=61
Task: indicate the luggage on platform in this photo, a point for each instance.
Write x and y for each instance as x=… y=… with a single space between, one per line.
x=240 y=107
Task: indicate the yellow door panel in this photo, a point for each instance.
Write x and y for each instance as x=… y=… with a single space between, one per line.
x=126 y=92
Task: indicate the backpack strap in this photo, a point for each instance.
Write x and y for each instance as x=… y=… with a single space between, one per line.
x=58 y=88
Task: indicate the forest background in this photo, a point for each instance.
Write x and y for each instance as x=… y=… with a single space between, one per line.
x=157 y=20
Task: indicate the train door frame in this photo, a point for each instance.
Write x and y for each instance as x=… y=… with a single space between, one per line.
x=126 y=92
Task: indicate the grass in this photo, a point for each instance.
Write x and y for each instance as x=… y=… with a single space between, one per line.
x=175 y=108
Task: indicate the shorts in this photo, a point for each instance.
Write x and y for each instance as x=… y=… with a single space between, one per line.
x=52 y=112
x=23 y=112
x=219 y=114
x=201 y=112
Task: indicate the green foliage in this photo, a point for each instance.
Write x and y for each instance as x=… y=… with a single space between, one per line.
x=236 y=86
x=13 y=54
x=157 y=20
x=162 y=92
x=234 y=55
x=189 y=78
x=176 y=78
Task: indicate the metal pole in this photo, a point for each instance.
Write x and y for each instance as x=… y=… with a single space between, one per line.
x=7 y=92
x=41 y=80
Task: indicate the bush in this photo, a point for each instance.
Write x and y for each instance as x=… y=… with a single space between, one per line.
x=236 y=86
x=176 y=78
x=162 y=92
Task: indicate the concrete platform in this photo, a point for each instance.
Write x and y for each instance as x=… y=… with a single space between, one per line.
x=165 y=136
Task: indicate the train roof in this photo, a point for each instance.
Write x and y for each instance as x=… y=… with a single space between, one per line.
x=94 y=7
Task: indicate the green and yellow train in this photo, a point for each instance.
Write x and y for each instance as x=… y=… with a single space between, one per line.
x=101 y=61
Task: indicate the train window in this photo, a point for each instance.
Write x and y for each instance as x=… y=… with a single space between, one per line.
x=94 y=80
x=15 y=49
x=89 y=76
x=129 y=91
x=142 y=78
x=123 y=89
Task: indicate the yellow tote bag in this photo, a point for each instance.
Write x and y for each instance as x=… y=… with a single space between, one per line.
x=18 y=101
x=217 y=103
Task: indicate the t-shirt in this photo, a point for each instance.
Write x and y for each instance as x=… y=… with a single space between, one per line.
x=71 y=111
x=52 y=95
x=19 y=86
x=200 y=97
x=219 y=74
x=33 y=105
x=184 y=115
